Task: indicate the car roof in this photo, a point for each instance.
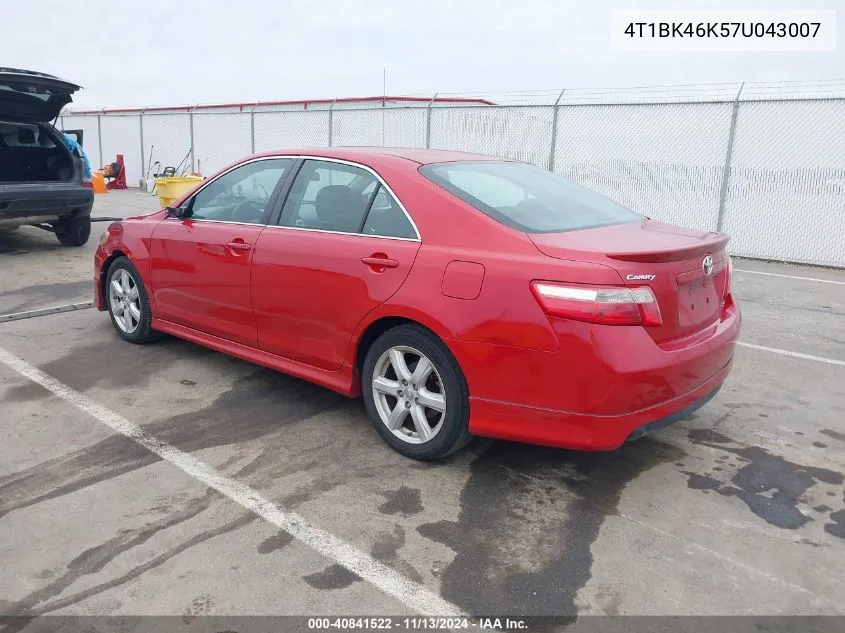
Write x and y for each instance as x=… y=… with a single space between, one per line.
x=369 y=154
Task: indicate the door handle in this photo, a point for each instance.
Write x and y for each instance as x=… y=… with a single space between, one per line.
x=379 y=262
x=239 y=246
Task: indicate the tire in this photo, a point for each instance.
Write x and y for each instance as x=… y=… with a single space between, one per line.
x=73 y=231
x=136 y=330
x=449 y=429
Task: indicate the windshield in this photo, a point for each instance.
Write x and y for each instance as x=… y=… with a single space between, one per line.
x=527 y=198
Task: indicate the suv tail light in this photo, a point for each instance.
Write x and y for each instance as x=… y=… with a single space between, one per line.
x=608 y=305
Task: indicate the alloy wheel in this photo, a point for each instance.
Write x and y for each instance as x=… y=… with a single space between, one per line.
x=124 y=300
x=409 y=394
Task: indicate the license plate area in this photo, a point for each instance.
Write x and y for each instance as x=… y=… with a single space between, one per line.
x=698 y=302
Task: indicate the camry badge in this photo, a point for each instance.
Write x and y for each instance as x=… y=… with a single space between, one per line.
x=640 y=277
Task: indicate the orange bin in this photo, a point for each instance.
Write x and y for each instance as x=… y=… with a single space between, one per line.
x=98 y=182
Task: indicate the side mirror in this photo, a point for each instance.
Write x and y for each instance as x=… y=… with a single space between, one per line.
x=176 y=212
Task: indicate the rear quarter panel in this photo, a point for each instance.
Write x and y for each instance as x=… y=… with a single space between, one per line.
x=505 y=312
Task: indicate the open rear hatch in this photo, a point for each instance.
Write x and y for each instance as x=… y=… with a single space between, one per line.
x=31 y=97
x=687 y=270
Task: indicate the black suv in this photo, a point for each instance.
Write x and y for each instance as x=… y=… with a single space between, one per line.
x=41 y=181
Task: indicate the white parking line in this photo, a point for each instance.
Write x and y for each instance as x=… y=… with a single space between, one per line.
x=411 y=594
x=784 y=352
x=758 y=272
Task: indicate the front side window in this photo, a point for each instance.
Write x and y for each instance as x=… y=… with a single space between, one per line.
x=527 y=198
x=239 y=195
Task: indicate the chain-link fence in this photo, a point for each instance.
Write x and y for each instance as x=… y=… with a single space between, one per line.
x=769 y=171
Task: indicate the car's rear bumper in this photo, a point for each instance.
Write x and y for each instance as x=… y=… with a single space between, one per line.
x=22 y=204
x=602 y=384
x=509 y=421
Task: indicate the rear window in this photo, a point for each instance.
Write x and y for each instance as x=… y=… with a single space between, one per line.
x=39 y=93
x=527 y=198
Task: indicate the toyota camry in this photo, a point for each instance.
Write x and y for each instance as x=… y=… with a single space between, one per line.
x=459 y=294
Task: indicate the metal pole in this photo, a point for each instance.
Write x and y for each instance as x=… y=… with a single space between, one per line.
x=428 y=122
x=383 y=95
x=141 y=128
x=252 y=128
x=723 y=194
x=554 y=132
x=191 y=124
x=331 y=120
x=100 y=136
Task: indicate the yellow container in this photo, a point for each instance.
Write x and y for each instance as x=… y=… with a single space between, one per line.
x=171 y=189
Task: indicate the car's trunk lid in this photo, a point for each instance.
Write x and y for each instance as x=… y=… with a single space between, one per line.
x=686 y=269
x=31 y=97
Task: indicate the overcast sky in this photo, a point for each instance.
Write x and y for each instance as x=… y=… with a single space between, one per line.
x=181 y=52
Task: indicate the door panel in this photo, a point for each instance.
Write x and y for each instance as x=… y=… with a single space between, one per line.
x=200 y=264
x=310 y=289
x=200 y=276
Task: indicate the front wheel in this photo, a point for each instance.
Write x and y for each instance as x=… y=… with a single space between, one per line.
x=128 y=303
x=416 y=393
x=73 y=231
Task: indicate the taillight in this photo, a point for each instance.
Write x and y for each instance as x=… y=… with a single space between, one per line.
x=609 y=305
x=87 y=183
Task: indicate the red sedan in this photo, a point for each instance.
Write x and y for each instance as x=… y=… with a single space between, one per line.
x=459 y=294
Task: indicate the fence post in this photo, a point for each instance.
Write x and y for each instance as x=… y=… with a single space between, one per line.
x=723 y=194
x=141 y=129
x=383 y=101
x=331 y=119
x=554 y=132
x=100 y=135
x=252 y=128
x=191 y=125
x=428 y=122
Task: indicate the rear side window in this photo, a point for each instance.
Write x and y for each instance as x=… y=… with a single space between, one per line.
x=386 y=217
x=527 y=198
x=329 y=197
x=342 y=198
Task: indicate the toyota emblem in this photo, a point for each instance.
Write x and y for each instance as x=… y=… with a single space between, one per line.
x=707 y=265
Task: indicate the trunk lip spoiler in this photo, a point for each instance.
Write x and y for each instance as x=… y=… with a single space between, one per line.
x=674 y=253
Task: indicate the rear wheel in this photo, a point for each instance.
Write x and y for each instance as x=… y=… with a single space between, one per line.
x=128 y=303
x=73 y=231
x=416 y=393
